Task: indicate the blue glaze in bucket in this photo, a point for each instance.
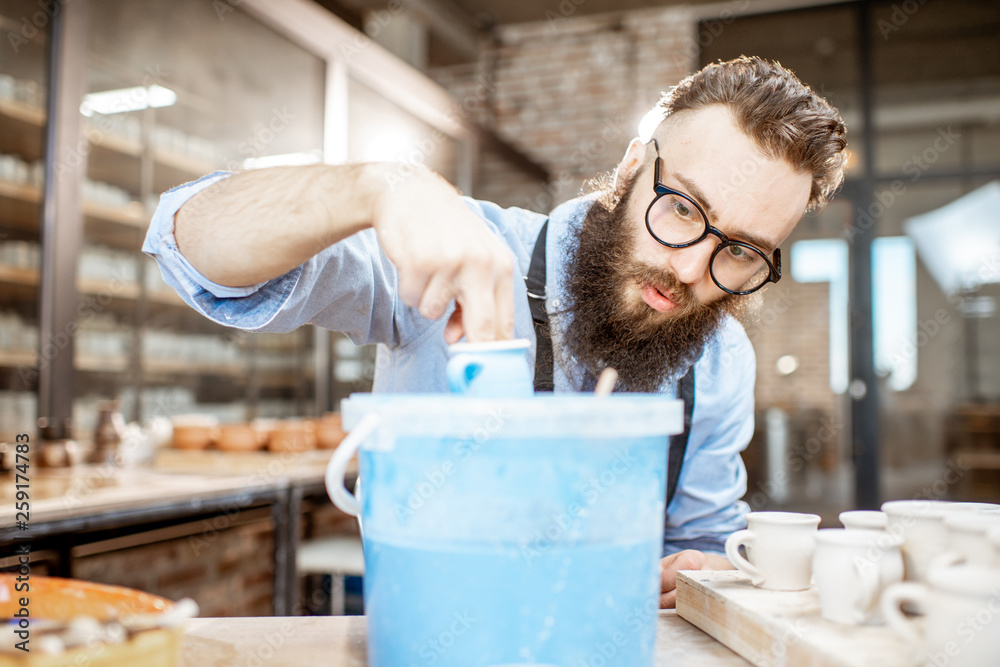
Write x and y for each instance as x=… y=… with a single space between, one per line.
x=510 y=531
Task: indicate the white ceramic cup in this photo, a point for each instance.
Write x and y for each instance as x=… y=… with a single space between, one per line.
x=972 y=507
x=968 y=541
x=851 y=569
x=920 y=523
x=780 y=547
x=993 y=537
x=864 y=520
x=961 y=627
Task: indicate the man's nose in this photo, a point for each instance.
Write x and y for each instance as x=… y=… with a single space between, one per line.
x=690 y=264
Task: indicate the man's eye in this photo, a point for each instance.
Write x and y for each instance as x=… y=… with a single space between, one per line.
x=682 y=209
x=741 y=254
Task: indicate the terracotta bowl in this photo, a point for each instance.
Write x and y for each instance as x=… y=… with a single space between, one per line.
x=194 y=436
x=238 y=438
x=329 y=431
x=62 y=600
x=264 y=428
x=293 y=435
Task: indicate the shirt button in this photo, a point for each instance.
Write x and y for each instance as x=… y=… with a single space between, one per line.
x=557 y=303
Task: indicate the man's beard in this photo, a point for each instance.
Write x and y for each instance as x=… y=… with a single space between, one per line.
x=610 y=324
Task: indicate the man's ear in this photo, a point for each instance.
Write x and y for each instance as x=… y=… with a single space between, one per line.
x=627 y=168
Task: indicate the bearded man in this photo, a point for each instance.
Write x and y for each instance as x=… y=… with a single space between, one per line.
x=643 y=275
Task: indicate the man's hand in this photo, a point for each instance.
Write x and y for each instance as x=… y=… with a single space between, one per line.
x=689 y=559
x=445 y=253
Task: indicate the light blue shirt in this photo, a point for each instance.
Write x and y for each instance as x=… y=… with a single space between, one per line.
x=352 y=287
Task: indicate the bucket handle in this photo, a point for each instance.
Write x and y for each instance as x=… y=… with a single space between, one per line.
x=336 y=469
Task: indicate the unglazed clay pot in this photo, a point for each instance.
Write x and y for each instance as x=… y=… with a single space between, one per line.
x=329 y=431
x=238 y=438
x=195 y=432
x=293 y=435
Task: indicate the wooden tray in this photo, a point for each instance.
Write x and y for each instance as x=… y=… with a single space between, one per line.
x=771 y=628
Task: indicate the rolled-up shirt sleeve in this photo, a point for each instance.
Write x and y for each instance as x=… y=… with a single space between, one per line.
x=707 y=505
x=349 y=287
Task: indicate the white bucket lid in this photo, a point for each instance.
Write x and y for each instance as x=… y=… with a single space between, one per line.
x=545 y=415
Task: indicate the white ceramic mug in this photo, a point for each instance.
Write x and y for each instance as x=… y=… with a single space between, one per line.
x=920 y=523
x=864 y=520
x=961 y=627
x=495 y=369
x=993 y=537
x=852 y=568
x=968 y=542
x=780 y=547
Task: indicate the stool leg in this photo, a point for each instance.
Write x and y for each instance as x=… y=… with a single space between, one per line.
x=336 y=595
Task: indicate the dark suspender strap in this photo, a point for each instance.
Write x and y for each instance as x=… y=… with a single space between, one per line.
x=678 y=443
x=535 y=282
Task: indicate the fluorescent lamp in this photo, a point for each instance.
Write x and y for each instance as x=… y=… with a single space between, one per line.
x=127 y=99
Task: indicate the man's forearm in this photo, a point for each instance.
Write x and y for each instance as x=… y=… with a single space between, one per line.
x=257 y=225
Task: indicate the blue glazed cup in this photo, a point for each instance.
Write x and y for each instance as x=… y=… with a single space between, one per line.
x=496 y=369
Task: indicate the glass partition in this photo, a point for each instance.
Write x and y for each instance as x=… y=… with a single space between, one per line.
x=177 y=90
x=23 y=91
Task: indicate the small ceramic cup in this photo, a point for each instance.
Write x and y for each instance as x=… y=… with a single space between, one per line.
x=968 y=541
x=920 y=523
x=961 y=624
x=780 y=547
x=993 y=536
x=851 y=569
x=495 y=369
x=864 y=520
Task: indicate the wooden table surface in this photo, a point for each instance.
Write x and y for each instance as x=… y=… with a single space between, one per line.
x=339 y=641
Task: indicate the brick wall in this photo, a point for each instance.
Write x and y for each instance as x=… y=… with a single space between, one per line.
x=569 y=92
x=228 y=571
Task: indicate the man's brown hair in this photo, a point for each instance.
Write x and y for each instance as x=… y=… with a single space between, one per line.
x=782 y=115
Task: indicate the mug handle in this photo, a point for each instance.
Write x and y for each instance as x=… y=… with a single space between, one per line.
x=336 y=469
x=461 y=370
x=868 y=576
x=946 y=559
x=893 y=597
x=743 y=538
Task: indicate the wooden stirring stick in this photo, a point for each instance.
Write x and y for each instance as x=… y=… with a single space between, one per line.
x=606 y=383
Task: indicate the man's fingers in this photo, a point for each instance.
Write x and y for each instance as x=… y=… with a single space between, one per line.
x=668 y=600
x=478 y=298
x=683 y=560
x=505 y=307
x=453 y=330
x=437 y=296
x=412 y=286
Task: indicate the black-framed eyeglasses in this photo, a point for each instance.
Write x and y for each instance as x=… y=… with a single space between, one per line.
x=676 y=220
